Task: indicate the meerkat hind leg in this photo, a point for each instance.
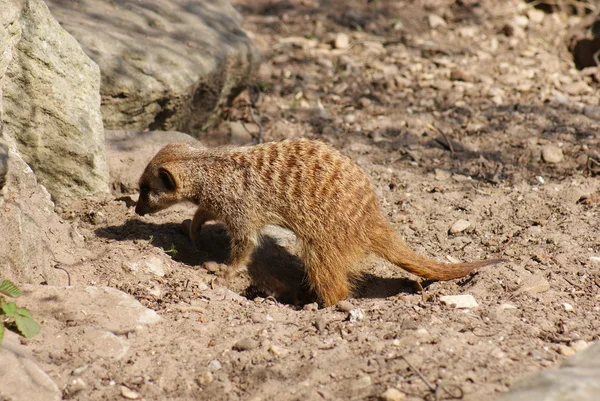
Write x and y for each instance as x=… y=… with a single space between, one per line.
x=327 y=273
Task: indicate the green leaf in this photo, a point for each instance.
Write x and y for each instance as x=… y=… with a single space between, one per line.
x=27 y=326
x=8 y=288
x=9 y=308
x=1 y=332
x=24 y=312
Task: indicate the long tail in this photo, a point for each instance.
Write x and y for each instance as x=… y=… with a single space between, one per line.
x=387 y=244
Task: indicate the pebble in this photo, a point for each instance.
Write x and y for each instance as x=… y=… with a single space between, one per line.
x=392 y=394
x=75 y=386
x=464 y=301
x=459 y=226
x=436 y=21
x=568 y=307
x=320 y=324
x=565 y=350
x=552 y=154
x=246 y=344
x=355 y=315
x=205 y=378
x=505 y=306
x=595 y=259
x=345 y=306
x=577 y=88
x=257 y=317
x=214 y=365
x=311 y=307
x=521 y=21
x=592 y=112
x=350 y=118
x=580 y=345
x=341 y=41
x=442 y=175
x=536 y=16
x=458 y=75
x=129 y=394
x=278 y=351
x=535 y=284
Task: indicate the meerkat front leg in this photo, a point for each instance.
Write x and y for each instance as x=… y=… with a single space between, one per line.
x=242 y=246
x=193 y=227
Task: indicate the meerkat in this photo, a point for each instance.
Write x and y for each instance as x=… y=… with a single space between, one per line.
x=302 y=185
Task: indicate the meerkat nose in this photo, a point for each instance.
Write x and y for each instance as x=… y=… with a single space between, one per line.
x=139 y=209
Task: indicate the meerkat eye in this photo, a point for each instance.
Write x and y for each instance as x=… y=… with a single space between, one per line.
x=144 y=188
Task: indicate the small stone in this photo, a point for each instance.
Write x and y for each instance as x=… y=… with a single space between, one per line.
x=214 y=365
x=568 y=307
x=442 y=175
x=320 y=324
x=505 y=306
x=540 y=180
x=392 y=394
x=536 y=16
x=534 y=284
x=345 y=306
x=205 y=379
x=459 y=226
x=464 y=301
x=75 y=386
x=436 y=21
x=79 y=370
x=278 y=351
x=577 y=88
x=257 y=317
x=311 y=307
x=580 y=345
x=592 y=112
x=595 y=259
x=552 y=154
x=364 y=102
x=458 y=75
x=355 y=315
x=565 y=350
x=246 y=344
x=521 y=21
x=350 y=118
x=341 y=41
x=129 y=394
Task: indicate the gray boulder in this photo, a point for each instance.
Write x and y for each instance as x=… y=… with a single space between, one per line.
x=578 y=379
x=21 y=379
x=166 y=64
x=51 y=102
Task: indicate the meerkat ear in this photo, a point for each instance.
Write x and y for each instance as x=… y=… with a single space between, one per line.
x=167 y=179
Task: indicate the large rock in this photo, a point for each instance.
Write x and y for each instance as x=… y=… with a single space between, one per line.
x=577 y=379
x=21 y=379
x=51 y=101
x=34 y=238
x=166 y=64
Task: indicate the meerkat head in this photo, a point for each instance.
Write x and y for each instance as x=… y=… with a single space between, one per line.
x=159 y=185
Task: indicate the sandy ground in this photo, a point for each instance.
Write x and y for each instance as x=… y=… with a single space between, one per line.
x=466 y=110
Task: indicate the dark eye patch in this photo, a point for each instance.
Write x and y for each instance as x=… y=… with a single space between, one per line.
x=144 y=188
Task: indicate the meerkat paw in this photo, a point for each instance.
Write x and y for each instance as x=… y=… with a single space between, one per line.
x=185 y=226
x=232 y=272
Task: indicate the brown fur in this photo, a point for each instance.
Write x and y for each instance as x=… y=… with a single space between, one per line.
x=302 y=185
